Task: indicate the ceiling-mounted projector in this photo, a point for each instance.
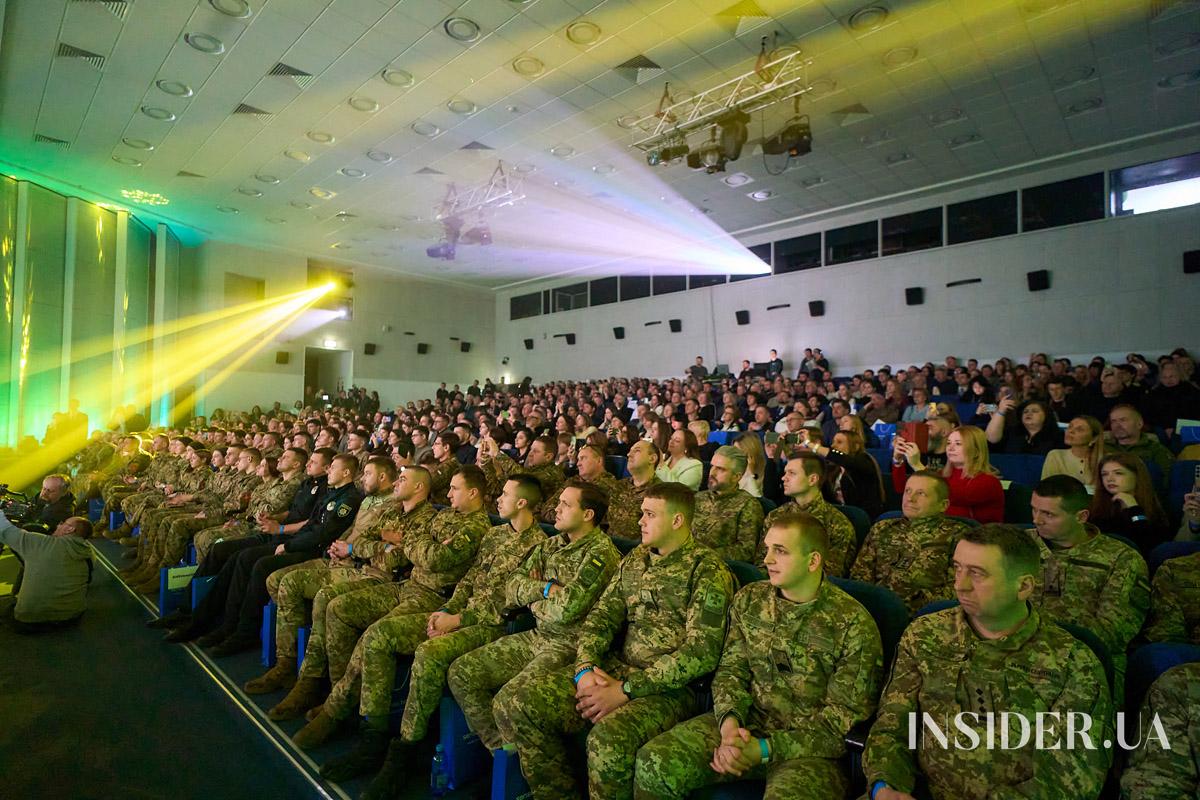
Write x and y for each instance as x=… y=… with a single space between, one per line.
x=794 y=139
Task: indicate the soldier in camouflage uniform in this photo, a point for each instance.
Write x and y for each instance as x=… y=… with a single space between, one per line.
x=728 y=519
x=911 y=554
x=134 y=479
x=559 y=581
x=156 y=494
x=191 y=482
x=802 y=664
x=625 y=502
x=1175 y=601
x=471 y=619
x=539 y=463
x=994 y=653
x=441 y=472
x=1158 y=772
x=440 y=554
x=590 y=461
x=407 y=516
x=1088 y=578
x=270 y=498
x=657 y=628
x=802 y=483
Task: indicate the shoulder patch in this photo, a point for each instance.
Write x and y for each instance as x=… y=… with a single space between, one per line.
x=343 y=510
x=591 y=571
x=314 y=489
x=712 y=607
x=329 y=506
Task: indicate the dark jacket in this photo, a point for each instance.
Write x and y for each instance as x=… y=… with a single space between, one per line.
x=331 y=517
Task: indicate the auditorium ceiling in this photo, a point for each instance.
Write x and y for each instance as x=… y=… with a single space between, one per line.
x=340 y=128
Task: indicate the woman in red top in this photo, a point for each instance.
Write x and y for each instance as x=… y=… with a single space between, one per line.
x=975 y=491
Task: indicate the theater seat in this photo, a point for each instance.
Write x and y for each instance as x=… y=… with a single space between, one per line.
x=745 y=572
x=1150 y=661
x=1168 y=550
x=1017 y=498
x=859 y=519
x=1019 y=468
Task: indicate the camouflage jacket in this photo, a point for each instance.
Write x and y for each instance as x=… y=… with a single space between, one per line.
x=582 y=568
x=499 y=468
x=440 y=475
x=842 y=539
x=194 y=481
x=381 y=558
x=729 y=523
x=943 y=668
x=911 y=557
x=169 y=470
x=799 y=674
x=442 y=551
x=549 y=507
x=272 y=497
x=672 y=612
x=480 y=595
x=625 y=508
x=368 y=523
x=1175 y=601
x=1155 y=773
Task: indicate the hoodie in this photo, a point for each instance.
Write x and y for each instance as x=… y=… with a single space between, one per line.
x=57 y=572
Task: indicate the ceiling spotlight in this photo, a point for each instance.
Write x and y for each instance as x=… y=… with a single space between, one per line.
x=527 y=66
x=321 y=137
x=761 y=195
x=524 y=167
x=322 y=194
x=964 y=139
x=127 y=161
x=160 y=114
x=209 y=45
x=249 y=192
x=868 y=19
x=364 y=104
x=669 y=153
x=351 y=172
x=822 y=86
x=379 y=156
x=397 y=77
x=268 y=179
x=734 y=132
x=875 y=138
x=708 y=157
x=946 y=116
x=461 y=29
x=137 y=144
x=737 y=179
x=174 y=88
x=462 y=106
x=340 y=246
x=427 y=129
x=300 y=204
x=898 y=158
x=604 y=169
x=227 y=209
x=562 y=151
x=794 y=139
x=276 y=220
x=899 y=56
x=239 y=9
x=627 y=121
x=583 y=32
x=298 y=155
x=1074 y=77
x=1084 y=106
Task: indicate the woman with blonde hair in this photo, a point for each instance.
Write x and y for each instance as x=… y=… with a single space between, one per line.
x=855 y=479
x=975 y=491
x=756 y=463
x=1080 y=459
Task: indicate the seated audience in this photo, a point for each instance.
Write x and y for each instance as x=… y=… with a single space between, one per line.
x=1030 y=429
x=802 y=479
x=975 y=491
x=1127 y=435
x=1084 y=438
x=1175 y=601
x=727 y=518
x=682 y=464
x=940 y=419
x=1167 y=770
x=58 y=569
x=1125 y=502
x=854 y=479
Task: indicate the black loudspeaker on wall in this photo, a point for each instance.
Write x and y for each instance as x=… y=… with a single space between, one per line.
x=619 y=332
x=369 y=349
x=464 y=346
x=282 y=357
x=676 y=325
x=529 y=344
x=1191 y=262
x=914 y=296
x=570 y=338
x=743 y=317
x=1039 y=280
x=422 y=348
x=816 y=308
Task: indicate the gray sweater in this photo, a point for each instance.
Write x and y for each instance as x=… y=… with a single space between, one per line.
x=57 y=569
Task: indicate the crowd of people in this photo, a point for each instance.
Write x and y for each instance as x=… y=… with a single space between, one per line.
x=419 y=531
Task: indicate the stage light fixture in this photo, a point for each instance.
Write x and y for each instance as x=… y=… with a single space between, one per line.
x=443 y=249
x=794 y=139
x=708 y=157
x=734 y=133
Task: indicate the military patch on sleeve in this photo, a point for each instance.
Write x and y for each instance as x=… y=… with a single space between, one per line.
x=343 y=510
x=460 y=542
x=712 y=607
x=591 y=571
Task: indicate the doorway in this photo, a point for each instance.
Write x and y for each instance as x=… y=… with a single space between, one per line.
x=326 y=372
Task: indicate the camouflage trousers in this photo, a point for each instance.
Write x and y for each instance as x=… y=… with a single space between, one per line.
x=156 y=524
x=293 y=587
x=209 y=536
x=349 y=618
x=323 y=655
x=136 y=504
x=475 y=677
x=536 y=712
x=676 y=763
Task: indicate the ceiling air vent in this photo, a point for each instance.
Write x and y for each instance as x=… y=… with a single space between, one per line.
x=252 y=111
x=638 y=69
x=300 y=77
x=61 y=144
x=429 y=171
x=71 y=51
x=475 y=146
x=118 y=8
x=183 y=173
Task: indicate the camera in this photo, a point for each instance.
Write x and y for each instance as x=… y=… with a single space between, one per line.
x=15 y=505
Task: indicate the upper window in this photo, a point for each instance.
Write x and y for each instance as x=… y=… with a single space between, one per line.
x=908 y=233
x=701 y=281
x=634 y=287
x=982 y=218
x=852 y=243
x=763 y=251
x=1171 y=183
x=603 y=291
x=667 y=284
x=525 y=305
x=1063 y=203
x=569 y=298
x=801 y=252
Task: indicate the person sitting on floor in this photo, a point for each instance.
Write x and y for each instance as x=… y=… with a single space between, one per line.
x=58 y=569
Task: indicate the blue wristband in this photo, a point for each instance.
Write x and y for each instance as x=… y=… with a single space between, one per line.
x=581 y=673
x=281 y=528
x=546 y=589
x=876 y=786
x=765 y=749
x=349 y=549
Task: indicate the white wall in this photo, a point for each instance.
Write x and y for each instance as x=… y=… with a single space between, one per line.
x=1117 y=286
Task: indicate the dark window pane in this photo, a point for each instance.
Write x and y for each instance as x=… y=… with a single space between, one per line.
x=1156 y=186
x=852 y=243
x=547 y=307
x=906 y=233
x=763 y=251
x=525 y=305
x=569 y=298
x=1063 y=203
x=635 y=286
x=802 y=252
x=700 y=281
x=667 y=284
x=604 y=291
x=982 y=218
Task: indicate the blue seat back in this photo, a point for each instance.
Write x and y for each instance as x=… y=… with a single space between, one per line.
x=722 y=437
x=1019 y=468
x=885 y=607
x=617 y=466
x=1150 y=661
x=744 y=572
x=1169 y=550
x=624 y=545
x=1183 y=477
x=858 y=518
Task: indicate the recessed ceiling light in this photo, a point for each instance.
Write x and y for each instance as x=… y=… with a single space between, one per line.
x=249 y=192
x=528 y=66
x=298 y=155
x=868 y=19
x=964 y=139
x=300 y=204
x=1074 y=77
x=809 y=183
x=562 y=151
x=364 y=104
x=899 y=158
x=351 y=172
x=397 y=77
x=379 y=156
x=270 y=179
x=514 y=109
x=321 y=137
x=174 y=88
x=946 y=116
x=340 y=246
x=231 y=8
x=524 y=167
x=822 y=86
x=1179 y=79
x=423 y=128
x=137 y=144
x=205 y=43
x=1084 y=106
x=463 y=106
x=461 y=29
x=604 y=169
x=737 y=179
x=760 y=195
x=160 y=114
x=875 y=138
x=322 y=194
x=583 y=32
x=1178 y=44
x=899 y=56
x=627 y=121
x=276 y=220
x=227 y=209
x=127 y=161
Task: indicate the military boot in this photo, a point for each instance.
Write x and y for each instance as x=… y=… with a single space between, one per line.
x=305 y=694
x=366 y=756
x=394 y=773
x=280 y=676
x=317 y=732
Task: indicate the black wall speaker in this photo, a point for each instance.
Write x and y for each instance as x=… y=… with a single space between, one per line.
x=529 y=344
x=1191 y=262
x=282 y=357
x=369 y=349
x=1039 y=280
x=743 y=317
x=914 y=296
x=464 y=346
x=422 y=348
x=676 y=325
x=619 y=332
x=570 y=338
x=816 y=308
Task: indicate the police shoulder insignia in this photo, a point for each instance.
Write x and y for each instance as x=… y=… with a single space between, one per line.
x=343 y=510
x=329 y=506
x=314 y=489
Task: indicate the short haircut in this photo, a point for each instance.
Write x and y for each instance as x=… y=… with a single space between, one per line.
x=361 y=433
x=549 y=444
x=300 y=452
x=591 y=498
x=349 y=461
x=810 y=530
x=813 y=463
x=1126 y=407
x=1071 y=492
x=421 y=474
x=63 y=480
x=421 y=429
x=940 y=484
x=326 y=453
x=274 y=436
x=383 y=466
x=473 y=478
x=83 y=527
x=450 y=440
x=529 y=488
x=735 y=456
x=596 y=449
x=255 y=454
x=680 y=499
x=1017 y=548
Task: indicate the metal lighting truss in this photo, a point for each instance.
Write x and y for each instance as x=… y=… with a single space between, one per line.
x=784 y=78
x=499 y=191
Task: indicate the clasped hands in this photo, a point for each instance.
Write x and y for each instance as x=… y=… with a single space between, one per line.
x=599 y=694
